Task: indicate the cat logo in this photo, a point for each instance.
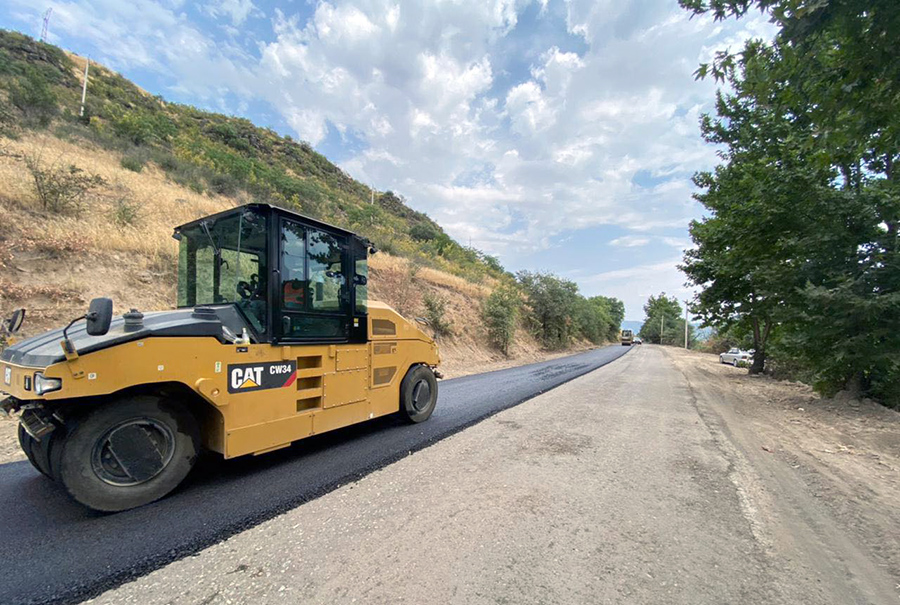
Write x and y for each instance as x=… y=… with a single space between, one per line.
x=244 y=377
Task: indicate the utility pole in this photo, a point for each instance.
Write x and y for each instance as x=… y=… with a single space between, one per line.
x=87 y=64
x=372 y=199
x=685 y=324
x=662 y=321
x=46 y=24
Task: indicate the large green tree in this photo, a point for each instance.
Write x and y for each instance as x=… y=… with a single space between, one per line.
x=802 y=235
x=613 y=311
x=664 y=321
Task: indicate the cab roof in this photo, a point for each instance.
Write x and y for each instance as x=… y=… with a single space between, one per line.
x=269 y=207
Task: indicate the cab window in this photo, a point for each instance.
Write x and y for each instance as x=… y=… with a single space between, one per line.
x=314 y=290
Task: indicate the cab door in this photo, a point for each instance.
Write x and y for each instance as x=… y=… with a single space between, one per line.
x=313 y=287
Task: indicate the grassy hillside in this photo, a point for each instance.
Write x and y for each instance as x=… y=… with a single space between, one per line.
x=212 y=153
x=87 y=206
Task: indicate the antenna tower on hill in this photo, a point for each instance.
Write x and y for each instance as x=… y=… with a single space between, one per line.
x=46 y=24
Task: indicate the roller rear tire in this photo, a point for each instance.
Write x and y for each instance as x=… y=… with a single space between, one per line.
x=418 y=394
x=126 y=453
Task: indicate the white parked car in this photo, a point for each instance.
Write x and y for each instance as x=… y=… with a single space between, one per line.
x=735 y=356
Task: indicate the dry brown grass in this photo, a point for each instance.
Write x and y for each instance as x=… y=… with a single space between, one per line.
x=163 y=204
x=385 y=264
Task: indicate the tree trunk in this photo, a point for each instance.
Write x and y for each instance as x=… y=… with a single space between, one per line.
x=759 y=344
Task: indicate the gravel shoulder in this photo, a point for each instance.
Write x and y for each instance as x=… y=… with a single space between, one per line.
x=640 y=482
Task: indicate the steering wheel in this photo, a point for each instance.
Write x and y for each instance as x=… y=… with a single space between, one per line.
x=247 y=290
x=244 y=290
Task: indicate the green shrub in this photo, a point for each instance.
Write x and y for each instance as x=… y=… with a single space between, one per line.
x=141 y=127
x=32 y=95
x=435 y=313
x=223 y=184
x=500 y=313
x=132 y=163
x=126 y=213
x=60 y=189
x=423 y=232
x=553 y=303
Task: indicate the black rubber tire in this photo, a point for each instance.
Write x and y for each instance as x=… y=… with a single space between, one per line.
x=72 y=455
x=414 y=410
x=37 y=452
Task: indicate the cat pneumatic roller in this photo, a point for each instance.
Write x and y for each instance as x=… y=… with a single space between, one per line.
x=273 y=340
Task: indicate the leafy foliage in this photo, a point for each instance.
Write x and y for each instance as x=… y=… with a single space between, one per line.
x=500 y=314
x=558 y=313
x=801 y=246
x=664 y=323
x=60 y=188
x=436 y=314
x=32 y=95
x=126 y=213
x=132 y=163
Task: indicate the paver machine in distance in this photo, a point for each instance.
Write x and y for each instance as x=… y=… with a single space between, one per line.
x=273 y=341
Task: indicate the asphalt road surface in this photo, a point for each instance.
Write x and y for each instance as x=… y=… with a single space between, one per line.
x=56 y=551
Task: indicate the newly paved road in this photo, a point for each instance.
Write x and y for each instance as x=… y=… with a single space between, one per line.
x=56 y=551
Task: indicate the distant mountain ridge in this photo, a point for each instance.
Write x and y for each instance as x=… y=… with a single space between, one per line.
x=634 y=326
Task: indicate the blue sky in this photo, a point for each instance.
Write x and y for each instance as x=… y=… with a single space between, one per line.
x=558 y=135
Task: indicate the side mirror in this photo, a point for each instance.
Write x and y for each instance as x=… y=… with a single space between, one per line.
x=14 y=323
x=99 y=316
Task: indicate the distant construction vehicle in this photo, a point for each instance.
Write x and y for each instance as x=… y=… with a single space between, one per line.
x=273 y=341
x=627 y=338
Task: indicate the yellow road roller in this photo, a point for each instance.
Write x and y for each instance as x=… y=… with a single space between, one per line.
x=273 y=340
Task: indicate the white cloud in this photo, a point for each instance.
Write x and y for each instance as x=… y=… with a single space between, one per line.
x=510 y=159
x=630 y=242
x=635 y=284
x=236 y=10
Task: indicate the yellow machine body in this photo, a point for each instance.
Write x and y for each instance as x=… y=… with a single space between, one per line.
x=325 y=386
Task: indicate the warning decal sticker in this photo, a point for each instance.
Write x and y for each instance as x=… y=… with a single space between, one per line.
x=246 y=377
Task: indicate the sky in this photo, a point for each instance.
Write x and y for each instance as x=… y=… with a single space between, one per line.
x=558 y=135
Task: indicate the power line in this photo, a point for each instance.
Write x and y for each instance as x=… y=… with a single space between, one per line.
x=46 y=24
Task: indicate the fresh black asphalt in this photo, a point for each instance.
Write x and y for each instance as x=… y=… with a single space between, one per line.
x=55 y=551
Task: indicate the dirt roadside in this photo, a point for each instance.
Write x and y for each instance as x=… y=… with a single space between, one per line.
x=637 y=483
x=821 y=475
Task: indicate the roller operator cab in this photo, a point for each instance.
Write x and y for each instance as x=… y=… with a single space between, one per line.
x=273 y=340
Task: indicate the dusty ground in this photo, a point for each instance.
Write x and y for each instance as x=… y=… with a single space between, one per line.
x=9 y=442
x=661 y=477
x=831 y=466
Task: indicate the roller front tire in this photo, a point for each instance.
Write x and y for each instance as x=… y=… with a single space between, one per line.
x=418 y=394
x=127 y=453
